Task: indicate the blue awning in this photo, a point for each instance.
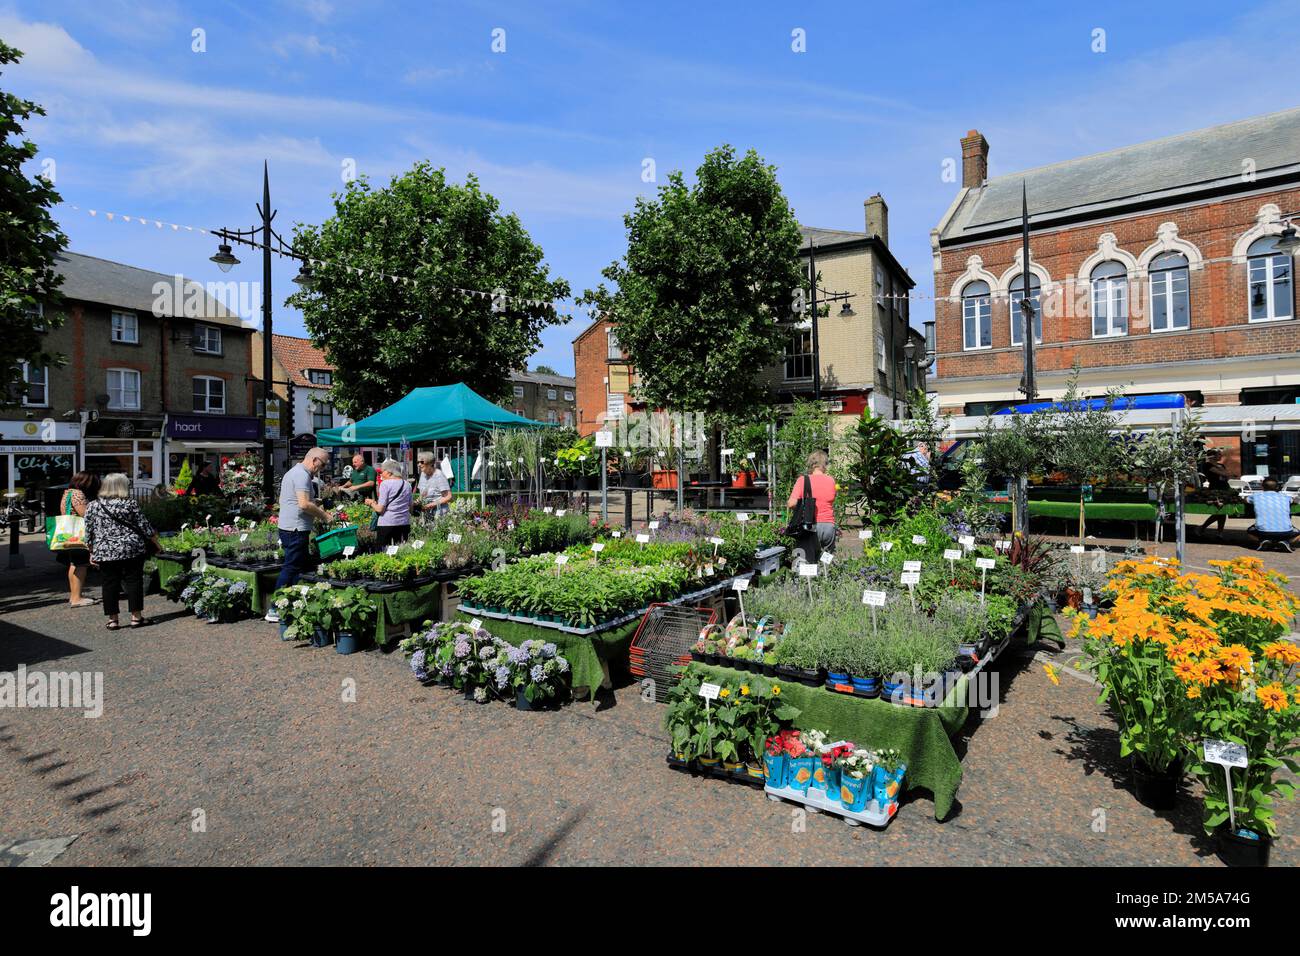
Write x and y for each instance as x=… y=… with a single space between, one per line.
x=1122 y=404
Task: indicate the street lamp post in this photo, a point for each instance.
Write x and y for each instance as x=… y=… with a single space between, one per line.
x=262 y=237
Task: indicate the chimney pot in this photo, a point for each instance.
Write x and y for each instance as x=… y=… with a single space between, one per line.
x=974 y=159
x=877 y=217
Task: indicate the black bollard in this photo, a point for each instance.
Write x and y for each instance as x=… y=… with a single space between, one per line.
x=15 y=556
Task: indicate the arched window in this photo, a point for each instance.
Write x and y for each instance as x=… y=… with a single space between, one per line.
x=977 y=316
x=1036 y=300
x=1109 y=299
x=1269 y=281
x=1170 y=301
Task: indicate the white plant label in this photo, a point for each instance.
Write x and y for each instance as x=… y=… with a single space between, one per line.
x=742 y=516
x=349 y=551
x=454 y=538
x=918 y=539
x=728 y=451
x=476 y=623
x=874 y=598
x=708 y=570
x=740 y=584
x=561 y=559
x=911 y=577
x=749 y=455
x=807 y=570
x=985 y=564
x=617 y=534
x=654 y=525
x=547 y=510
x=244 y=536
x=717 y=542
x=710 y=691
x=561 y=512
x=912 y=566
x=886 y=546
x=420 y=544
x=827 y=558
x=598 y=547
x=1076 y=549
x=1002 y=545
x=951 y=554
x=1224 y=753
x=865 y=534
x=643 y=539
x=391 y=550
x=967 y=541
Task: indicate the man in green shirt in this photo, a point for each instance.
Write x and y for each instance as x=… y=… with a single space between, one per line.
x=362 y=480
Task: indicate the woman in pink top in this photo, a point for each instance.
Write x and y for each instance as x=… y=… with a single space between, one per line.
x=823 y=492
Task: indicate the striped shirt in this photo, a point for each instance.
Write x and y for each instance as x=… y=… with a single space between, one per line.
x=1272 y=511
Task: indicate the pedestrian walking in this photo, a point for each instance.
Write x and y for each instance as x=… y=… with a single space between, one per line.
x=119 y=538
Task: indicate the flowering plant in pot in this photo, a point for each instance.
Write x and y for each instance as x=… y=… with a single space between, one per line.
x=856 y=769
x=353 y=615
x=887 y=782
x=217 y=598
x=536 y=673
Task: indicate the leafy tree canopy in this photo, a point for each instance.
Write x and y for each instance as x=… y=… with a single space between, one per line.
x=30 y=240
x=386 y=337
x=709 y=271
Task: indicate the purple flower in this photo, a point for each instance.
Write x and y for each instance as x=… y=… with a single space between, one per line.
x=503 y=677
x=417 y=665
x=536 y=674
x=462 y=648
x=548 y=650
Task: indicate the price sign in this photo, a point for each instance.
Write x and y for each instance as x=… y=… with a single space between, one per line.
x=874 y=598
x=807 y=570
x=643 y=539
x=951 y=554
x=918 y=539
x=604 y=439
x=244 y=536
x=717 y=542
x=827 y=558
x=617 y=534
x=454 y=538
x=349 y=551
x=654 y=525
x=547 y=510
x=1002 y=545
x=561 y=559
x=561 y=512
x=740 y=584
x=420 y=544
x=710 y=691
x=985 y=564
x=598 y=547
x=391 y=550
x=865 y=534
x=476 y=623
x=742 y=516
x=886 y=546
x=728 y=451
x=1076 y=549
x=967 y=541
x=749 y=455
x=1224 y=753
x=911 y=577
x=912 y=566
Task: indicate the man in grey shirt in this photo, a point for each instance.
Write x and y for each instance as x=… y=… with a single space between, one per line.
x=297 y=513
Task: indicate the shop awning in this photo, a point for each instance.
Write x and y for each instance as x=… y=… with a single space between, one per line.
x=428 y=415
x=177 y=444
x=1215 y=419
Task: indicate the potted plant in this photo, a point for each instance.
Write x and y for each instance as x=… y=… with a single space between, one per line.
x=353 y=619
x=856 y=770
x=536 y=674
x=887 y=780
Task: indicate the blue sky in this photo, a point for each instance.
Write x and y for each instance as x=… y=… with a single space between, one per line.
x=558 y=126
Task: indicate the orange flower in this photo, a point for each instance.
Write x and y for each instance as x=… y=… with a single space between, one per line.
x=1234 y=655
x=1193 y=692
x=1185 y=671
x=1283 y=651
x=1273 y=697
x=1051 y=674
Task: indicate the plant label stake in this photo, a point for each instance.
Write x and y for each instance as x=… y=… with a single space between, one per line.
x=561 y=512
x=243 y=537
x=873 y=599
x=643 y=539
x=716 y=542
x=886 y=546
x=912 y=579
x=808 y=571
x=420 y=544
x=1227 y=755
x=827 y=558
x=912 y=566
x=654 y=525
x=476 y=623
x=918 y=539
x=865 y=534
x=951 y=555
x=452 y=538
x=598 y=547
x=391 y=550
x=617 y=534
x=349 y=551
x=741 y=585
x=1002 y=545
x=984 y=564
x=967 y=541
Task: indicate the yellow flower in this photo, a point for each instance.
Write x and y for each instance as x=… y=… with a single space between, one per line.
x=724 y=692
x=1234 y=655
x=1283 y=651
x=744 y=690
x=1051 y=674
x=1273 y=697
x=1185 y=671
x=776 y=690
x=1193 y=692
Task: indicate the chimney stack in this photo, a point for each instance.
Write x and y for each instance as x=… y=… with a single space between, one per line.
x=974 y=159
x=877 y=217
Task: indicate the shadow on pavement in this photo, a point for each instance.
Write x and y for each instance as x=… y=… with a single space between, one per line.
x=18 y=645
x=541 y=856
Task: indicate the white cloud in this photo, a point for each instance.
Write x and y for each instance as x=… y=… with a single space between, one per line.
x=305 y=45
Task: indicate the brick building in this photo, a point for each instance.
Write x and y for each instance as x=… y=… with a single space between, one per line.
x=1155 y=267
x=156 y=370
x=544 y=397
x=301 y=378
x=861 y=338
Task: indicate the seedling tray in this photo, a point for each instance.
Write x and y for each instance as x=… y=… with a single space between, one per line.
x=695 y=770
x=872 y=815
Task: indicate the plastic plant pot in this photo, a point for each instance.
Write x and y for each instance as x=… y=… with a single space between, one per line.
x=866 y=686
x=320 y=638
x=854 y=792
x=1242 y=847
x=801 y=773
x=1159 y=791
x=777 y=769
x=347 y=643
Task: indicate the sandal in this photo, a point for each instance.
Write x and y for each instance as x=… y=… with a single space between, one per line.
x=84 y=602
x=143 y=622
x=113 y=626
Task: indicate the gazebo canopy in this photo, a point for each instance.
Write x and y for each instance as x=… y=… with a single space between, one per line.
x=426 y=415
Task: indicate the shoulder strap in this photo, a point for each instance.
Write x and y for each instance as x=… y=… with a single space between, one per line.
x=66 y=506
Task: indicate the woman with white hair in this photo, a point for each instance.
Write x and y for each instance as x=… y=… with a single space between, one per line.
x=392 y=504
x=119 y=537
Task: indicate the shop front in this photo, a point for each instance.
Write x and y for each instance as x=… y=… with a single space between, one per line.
x=35 y=455
x=208 y=438
x=132 y=446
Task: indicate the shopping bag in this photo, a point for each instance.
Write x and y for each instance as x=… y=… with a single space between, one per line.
x=69 y=532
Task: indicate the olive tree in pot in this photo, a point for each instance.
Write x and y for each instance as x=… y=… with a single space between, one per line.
x=1083 y=442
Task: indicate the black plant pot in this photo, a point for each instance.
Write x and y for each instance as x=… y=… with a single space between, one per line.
x=1236 y=850
x=585 y=483
x=789 y=673
x=1159 y=791
x=516 y=484
x=814 y=677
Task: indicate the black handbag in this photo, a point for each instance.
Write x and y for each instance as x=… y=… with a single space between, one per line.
x=803 y=517
x=150 y=549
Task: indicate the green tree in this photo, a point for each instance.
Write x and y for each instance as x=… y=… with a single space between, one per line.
x=875 y=453
x=385 y=336
x=710 y=270
x=30 y=241
x=545 y=370
x=806 y=429
x=1015 y=446
x=1085 y=445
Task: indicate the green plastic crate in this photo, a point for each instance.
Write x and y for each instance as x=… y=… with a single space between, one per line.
x=333 y=542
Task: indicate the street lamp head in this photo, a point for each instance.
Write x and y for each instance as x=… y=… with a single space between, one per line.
x=305 y=277
x=225 y=259
x=846 y=310
x=909 y=350
x=1288 y=241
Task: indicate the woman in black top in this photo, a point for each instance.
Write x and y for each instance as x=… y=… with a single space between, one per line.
x=118 y=535
x=1216 y=477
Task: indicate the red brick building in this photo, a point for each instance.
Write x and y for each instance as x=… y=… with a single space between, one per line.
x=606 y=381
x=1155 y=267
